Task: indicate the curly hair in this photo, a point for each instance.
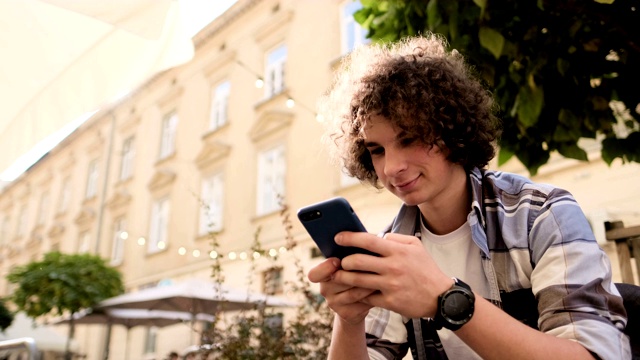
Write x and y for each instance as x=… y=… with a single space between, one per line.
x=423 y=90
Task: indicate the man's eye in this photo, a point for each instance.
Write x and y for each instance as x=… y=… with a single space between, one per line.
x=407 y=141
x=376 y=151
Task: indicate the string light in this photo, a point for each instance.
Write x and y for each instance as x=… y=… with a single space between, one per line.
x=290 y=102
x=232 y=255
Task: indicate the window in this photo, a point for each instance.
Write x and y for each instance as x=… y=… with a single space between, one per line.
x=274 y=326
x=92 y=180
x=352 y=33
x=65 y=195
x=117 y=245
x=22 y=221
x=4 y=231
x=271 y=180
x=126 y=163
x=272 y=281
x=219 y=105
x=168 y=137
x=274 y=74
x=159 y=225
x=84 y=242
x=211 y=207
x=42 y=210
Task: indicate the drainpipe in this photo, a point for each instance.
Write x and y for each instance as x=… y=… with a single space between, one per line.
x=105 y=185
x=103 y=197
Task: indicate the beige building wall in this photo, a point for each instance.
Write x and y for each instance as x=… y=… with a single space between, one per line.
x=233 y=48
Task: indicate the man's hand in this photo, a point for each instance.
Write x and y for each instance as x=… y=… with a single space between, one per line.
x=404 y=278
x=344 y=300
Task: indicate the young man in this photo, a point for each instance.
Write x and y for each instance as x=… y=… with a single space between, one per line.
x=477 y=263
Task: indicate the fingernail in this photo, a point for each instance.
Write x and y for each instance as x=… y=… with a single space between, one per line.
x=335 y=262
x=338 y=239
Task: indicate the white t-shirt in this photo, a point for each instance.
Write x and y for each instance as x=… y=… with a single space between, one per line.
x=457 y=256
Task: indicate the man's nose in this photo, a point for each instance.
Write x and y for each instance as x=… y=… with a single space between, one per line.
x=394 y=163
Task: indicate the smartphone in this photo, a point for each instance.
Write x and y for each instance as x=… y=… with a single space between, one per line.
x=325 y=219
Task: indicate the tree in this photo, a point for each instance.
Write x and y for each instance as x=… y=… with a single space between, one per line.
x=6 y=316
x=560 y=70
x=63 y=283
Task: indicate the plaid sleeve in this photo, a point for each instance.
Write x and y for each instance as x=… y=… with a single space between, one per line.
x=386 y=335
x=577 y=298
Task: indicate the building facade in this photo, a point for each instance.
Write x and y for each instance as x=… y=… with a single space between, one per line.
x=223 y=144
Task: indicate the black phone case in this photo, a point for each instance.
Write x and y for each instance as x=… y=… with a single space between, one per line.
x=323 y=220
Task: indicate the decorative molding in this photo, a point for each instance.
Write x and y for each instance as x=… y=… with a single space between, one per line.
x=97 y=144
x=119 y=199
x=68 y=162
x=170 y=99
x=226 y=58
x=211 y=152
x=46 y=178
x=128 y=126
x=270 y=122
x=275 y=26
x=85 y=216
x=161 y=179
x=56 y=230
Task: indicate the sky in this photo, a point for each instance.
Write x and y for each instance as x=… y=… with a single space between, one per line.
x=195 y=15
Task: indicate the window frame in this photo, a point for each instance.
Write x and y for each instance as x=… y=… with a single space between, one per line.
x=351 y=33
x=211 y=214
x=159 y=225
x=43 y=208
x=65 y=195
x=127 y=157
x=219 y=114
x=275 y=70
x=91 y=189
x=169 y=126
x=118 y=242
x=271 y=181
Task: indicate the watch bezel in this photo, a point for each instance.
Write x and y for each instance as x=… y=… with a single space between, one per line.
x=441 y=319
x=468 y=294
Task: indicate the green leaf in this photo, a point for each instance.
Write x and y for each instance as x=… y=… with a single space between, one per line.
x=504 y=155
x=433 y=15
x=604 y=1
x=572 y=151
x=482 y=4
x=491 y=40
x=530 y=101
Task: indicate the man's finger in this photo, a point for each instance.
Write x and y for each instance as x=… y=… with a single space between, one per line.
x=324 y=271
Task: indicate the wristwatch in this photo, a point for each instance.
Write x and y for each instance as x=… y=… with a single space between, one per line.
x=455 y=306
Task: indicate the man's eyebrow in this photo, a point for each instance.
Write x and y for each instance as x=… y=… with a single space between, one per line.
x=370 y=144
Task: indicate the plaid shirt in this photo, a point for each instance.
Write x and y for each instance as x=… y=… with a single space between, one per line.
x=543 y=265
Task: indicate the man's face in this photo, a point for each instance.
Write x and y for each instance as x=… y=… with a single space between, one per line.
x=412 y=171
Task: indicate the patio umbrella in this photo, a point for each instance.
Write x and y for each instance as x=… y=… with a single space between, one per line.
x=194 y=296
x=130 y=318
x=64 y=58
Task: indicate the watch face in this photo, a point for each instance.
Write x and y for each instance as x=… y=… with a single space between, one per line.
x=457 y=306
